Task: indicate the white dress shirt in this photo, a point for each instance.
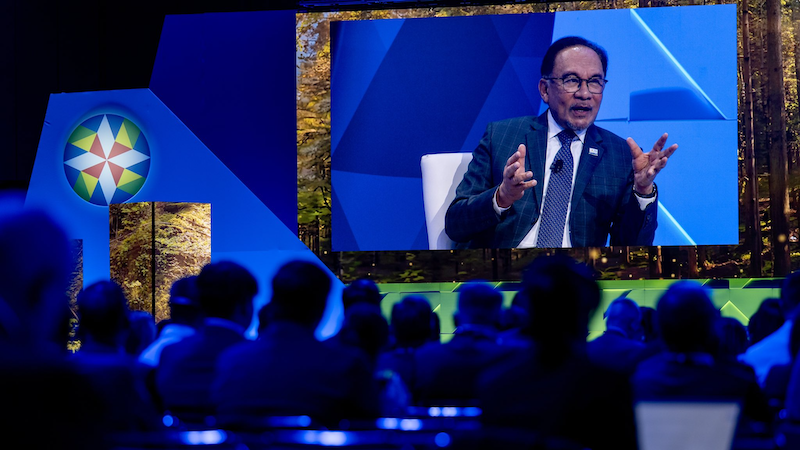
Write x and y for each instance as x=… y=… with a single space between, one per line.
x=553 y=146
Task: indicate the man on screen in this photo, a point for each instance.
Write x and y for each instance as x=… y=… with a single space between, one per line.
x=558 y=180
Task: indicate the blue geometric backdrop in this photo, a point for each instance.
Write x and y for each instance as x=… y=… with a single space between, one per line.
x=405 y=88
x=220 y=123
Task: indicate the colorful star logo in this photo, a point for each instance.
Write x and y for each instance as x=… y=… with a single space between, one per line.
x=106 y=159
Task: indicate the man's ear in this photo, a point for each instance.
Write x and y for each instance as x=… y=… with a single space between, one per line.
x=456 y=319
x=543 y=90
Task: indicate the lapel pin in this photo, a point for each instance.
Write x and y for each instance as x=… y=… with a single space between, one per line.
x=593 y=151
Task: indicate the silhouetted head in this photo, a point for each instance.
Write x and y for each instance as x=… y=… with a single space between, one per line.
x=650 y=330
x=731 y=337
x=686 y=317
x=479 y=303
x=226 y=291
x=142 y=332
x=766 y=320
x=35 y=266
x=361 y=290
x=623 y=314
x=412 y=320
x=365 y=328
x=184 y=301
x=562 y=293
x=103 y=314
x=517 y=315
x=300 y=292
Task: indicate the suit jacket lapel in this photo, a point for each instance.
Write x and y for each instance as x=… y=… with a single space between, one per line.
x=589 y=161
x=536 y=143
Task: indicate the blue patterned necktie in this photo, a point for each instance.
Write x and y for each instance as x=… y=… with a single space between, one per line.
x=556 y=200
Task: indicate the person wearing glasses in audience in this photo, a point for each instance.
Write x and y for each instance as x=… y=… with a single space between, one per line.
x=558 y=180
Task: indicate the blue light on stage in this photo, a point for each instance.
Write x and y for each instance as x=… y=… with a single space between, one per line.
x=410 y=424
x=326 y=438
x=205 y=437
x=471 y=411
x=387 y=423
x=168 y=420
x=442 y=439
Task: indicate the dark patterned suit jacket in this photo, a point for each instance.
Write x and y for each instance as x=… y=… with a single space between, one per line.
x=603 y=202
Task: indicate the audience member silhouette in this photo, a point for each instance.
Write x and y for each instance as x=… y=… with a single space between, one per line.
x=142 y=333
x=104 y=330
x=361 y=290
x=364 y=328
x=767 y=319
x=551 y=383
x=47 y=402
x=187 y=368
x=774 y=349
x=104 y=320
x=650 y=333
x=776 y=385
x=619 y=348
x=446 y=373
x=792 y=398
x=436 y=327
x=688 y=369
x=287 y=371
x=413 y=322
x=265 y=315
x=185 y=317
x=552 y=389
x=731 y=338
x=412 y=325
x=514 y=320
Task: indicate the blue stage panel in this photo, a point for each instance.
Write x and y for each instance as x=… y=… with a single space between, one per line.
x=182 y=169
x=230 y=78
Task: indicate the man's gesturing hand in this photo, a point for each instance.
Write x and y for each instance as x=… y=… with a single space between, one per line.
x=647 y=165
x=514 y=179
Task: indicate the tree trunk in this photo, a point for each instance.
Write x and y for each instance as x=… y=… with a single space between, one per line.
x=654 y=261
x=702 y=256
x=795 y=151
x=778 y=168
x=691 y=256
x=751 y=212
x=796 y=26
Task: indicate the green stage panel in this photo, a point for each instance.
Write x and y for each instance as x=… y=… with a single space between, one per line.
x=737 y=297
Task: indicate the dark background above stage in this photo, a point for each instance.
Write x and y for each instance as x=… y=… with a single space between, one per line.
x=85 y=45
x=91 y=45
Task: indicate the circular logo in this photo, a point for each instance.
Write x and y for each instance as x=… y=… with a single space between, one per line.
x=106 y=159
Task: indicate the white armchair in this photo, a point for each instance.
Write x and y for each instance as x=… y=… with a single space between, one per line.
x=441 y=173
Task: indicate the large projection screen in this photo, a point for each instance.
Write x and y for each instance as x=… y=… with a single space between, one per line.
x=404 y=88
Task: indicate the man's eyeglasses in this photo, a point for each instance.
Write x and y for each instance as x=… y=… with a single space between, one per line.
x=572 y=84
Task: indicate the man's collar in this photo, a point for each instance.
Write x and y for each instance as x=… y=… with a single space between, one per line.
x=553 y=128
